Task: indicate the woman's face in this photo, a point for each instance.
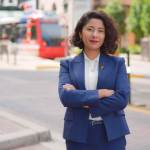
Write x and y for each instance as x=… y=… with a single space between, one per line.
x=93 y=34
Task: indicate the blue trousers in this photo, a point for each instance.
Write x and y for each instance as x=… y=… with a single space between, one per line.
x=97 y=140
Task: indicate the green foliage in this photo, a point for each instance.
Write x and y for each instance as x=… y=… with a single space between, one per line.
x=116 y=10
x=145 y=19
x=138 y=19
x=134 y=18
x=134 y=49
x=123 y=50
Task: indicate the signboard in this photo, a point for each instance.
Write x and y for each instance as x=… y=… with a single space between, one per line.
x=7 y=17
x=9 y=5
x=16 y=4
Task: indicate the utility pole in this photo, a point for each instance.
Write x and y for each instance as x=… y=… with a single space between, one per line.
x=129 y=72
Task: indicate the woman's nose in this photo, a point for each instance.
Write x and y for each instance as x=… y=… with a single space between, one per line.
x=95 y=33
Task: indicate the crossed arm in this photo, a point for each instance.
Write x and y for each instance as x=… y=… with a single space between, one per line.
x=101 y=92
x=106 y=100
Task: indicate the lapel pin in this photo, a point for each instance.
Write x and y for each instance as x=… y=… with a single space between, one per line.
x=101 y=66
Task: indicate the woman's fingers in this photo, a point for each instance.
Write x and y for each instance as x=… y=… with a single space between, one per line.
x=69 y=87
x=105 y=93
x=86 y=107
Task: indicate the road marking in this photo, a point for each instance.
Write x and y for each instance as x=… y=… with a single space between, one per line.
x=46 y=67
x=139 y=109
x=137 y=76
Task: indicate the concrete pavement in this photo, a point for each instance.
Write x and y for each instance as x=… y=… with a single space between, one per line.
x=20 y=134
x=17 y=132
x=139 y=67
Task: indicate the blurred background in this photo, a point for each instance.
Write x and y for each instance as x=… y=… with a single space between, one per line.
x=34 y=37
x=28 y=21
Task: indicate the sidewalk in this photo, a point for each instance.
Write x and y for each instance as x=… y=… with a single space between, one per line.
x=139 y=68
x=16 y=132
x=28 y=62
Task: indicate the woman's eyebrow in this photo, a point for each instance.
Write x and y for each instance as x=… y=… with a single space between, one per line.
x=94 y=27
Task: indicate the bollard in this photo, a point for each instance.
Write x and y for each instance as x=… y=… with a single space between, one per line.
x=129 y=73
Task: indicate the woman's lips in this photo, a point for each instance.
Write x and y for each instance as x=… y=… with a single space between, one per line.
x=94 y=41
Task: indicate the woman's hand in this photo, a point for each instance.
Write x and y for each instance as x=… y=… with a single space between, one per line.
x=72 y=87
x=105 y=93
x=69 y=87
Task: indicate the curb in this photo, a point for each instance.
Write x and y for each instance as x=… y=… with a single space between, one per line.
x=139 y=76
x=43 y=67
x=51 y=65
x=32 y=134
x=139 y=108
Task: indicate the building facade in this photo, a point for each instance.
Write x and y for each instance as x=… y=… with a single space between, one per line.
x=69 y=10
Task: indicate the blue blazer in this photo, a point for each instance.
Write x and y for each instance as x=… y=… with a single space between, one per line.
x=112 y=75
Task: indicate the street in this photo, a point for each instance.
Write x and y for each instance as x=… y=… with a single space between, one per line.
x=140 y=91
x=33 y=95
x=139 y=124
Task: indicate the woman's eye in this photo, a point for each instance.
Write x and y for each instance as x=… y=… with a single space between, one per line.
x=89 y=29
x=101 y=31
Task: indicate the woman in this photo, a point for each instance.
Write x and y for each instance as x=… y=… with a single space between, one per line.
x=94 y=87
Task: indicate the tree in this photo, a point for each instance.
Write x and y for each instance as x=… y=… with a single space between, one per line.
x=138 y=19
x=134 y=18
x=145 y=18
x=116 y=10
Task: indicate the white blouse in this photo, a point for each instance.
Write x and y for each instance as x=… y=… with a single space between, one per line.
x=91 y=77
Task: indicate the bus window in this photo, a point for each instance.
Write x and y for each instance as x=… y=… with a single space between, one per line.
x=33 y=33
x=52 y=34
x=22 y=31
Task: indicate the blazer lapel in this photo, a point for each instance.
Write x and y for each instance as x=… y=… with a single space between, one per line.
x=78 y=71
x=101 y=70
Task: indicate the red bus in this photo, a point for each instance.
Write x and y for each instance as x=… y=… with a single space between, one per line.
x=49 y=35
x=41 y=34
